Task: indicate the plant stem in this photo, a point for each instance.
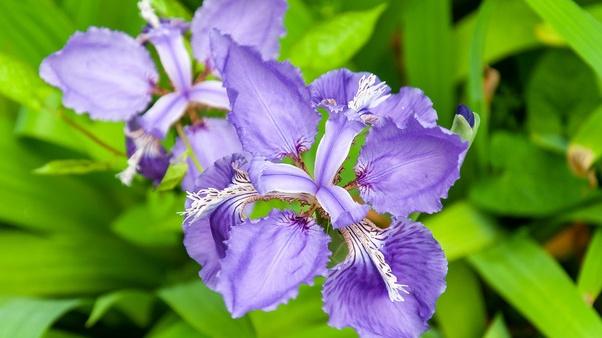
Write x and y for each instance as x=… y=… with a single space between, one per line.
x=186 y=141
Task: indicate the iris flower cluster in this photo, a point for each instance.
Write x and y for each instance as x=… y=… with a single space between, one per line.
x=392 y=276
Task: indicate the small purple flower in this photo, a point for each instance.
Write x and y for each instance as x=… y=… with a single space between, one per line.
x=389 y=282
x=111 y=75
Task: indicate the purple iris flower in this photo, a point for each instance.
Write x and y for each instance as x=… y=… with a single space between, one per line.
x=111 y=75
x=389 y=282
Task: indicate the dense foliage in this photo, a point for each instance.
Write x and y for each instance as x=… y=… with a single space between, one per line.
x=81 y=255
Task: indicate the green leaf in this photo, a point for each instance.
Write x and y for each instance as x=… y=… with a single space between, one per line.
x=173 y=176
x=205 y=311
x=427 y=37
x=297 y=20
x=527 y=181
x=120 y=15
x=331 y=44
x=322 y=331
x=580 y=29
x=61 y=334
x=153 y=223
x=71 y=265
x=30 y=318
x=136 y=304
x=589 y=282
x=170 y=326
x=171 y=9
x=461 y=230
x=497 y=329
x=529 y=279
x=20 y=83
x=72 y=167
x=461 y=309
x=586 y=145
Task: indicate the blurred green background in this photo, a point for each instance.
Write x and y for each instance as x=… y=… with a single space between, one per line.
x=83 y=256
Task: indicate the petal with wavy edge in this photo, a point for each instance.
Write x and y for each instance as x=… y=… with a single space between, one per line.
x=409 y=103
x=105 y=73
x=356 y=294
x=337 y=202
x=257 y=23
x=268 y=259
x=406 y=170
x=169 y=43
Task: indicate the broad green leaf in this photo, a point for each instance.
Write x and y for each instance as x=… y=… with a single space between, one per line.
x=589 y=282
x=461 y=309
x=589 y=214
x=428 y=51
x=61 y=334
x=527 y=181
x=580 y=29
x=71 y=264
x=205 y=311
x=153 y=223
x=72 y=167
x=33 y=30
x=20 y=83
x=120 y=15
x=171 y=9
x=586 y=145
x=30 y=318
x=171 y=326
x=529 y=279
x=322 y=331
x=136 y=304
x=461 y=229
x=561 y=93
x=173 y=176
x=332 y=43
x=297 y=20
x=498 y=328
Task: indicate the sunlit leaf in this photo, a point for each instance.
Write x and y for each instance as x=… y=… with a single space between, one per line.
x=136 y=304
x=497 y=329
x=589 y=282
x=72 y=167
x=30 y=318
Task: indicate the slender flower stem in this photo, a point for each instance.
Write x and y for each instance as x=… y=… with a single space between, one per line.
x=89 y=134
x=351 y=185
x=186 y=141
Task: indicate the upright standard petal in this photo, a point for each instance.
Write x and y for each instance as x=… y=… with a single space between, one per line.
x=334 y=147
x=409 y=103
x=335 y=89
x=165 y=112
x=270 y=104
x=389 y=283
x=337 y=202
x=257 y=23
x=405 y=170
x=212 y=215
x=210 y=93
x=169 y=43
x=105 y=73
x=268 y=259
x=210 y=141
x=283 y=178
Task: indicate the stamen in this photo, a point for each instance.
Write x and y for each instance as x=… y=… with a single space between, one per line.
x=368 y=94
x=146 y=145
x=148 y=13
x=206 y=200
x=370 y=240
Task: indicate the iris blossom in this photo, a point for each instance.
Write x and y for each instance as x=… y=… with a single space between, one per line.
x=389 y=282
x=112 y=76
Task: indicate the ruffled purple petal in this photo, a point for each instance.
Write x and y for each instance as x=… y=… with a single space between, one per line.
x=337 y=202
x=257 y=23
x=214 y=227
x=334 y=147
x=166 y=111
x=105 y=73
x=210 y=141
x=406 y=170
x=211 y=93
x=391 y=296
x=153 y=158
x=169 y=43
x=409 y=103
x=284 y=178
x=335 y=89
x=270 y=104
x=267 y=260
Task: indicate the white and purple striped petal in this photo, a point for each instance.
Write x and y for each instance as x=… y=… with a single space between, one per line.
x=268 y=259
x=406 y=170
x=105 y=73
x=388 y=285
x=340 y=206
x=257 y=23
x=270 y=104
x=409 y=103
x=210 y=141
